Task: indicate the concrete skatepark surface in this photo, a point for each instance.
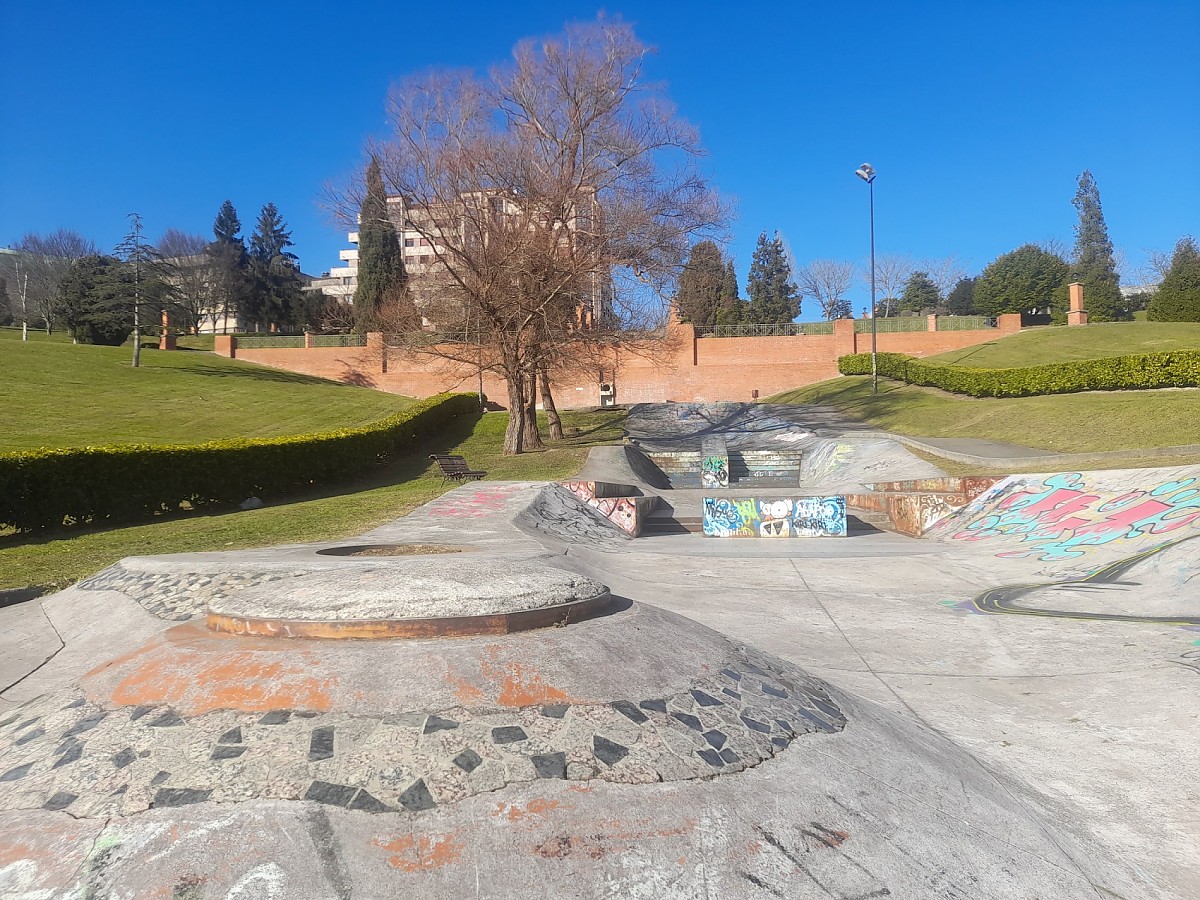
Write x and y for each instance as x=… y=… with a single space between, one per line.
x=850 y=718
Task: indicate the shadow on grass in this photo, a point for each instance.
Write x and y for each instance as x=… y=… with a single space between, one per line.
x=403 y=469
x=252 y=372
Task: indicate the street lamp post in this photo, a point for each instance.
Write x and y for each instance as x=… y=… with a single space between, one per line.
x=867 y=173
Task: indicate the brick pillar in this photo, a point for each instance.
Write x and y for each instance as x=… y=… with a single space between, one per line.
x=377 y=350
x=1076 y=314
x=932 y=320
x=166 y=340
x=1009 y=323
x=225 y=345
x=845 y=341
x=309 y=340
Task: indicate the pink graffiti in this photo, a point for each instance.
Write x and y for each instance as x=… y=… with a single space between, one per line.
x=481 y=502
x=1062 y=519
x=621 y=511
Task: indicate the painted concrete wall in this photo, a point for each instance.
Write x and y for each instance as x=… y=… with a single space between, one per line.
x=775 y=517
x=688 y=368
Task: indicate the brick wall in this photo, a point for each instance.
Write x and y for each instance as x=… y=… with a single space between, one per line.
x=688 y=369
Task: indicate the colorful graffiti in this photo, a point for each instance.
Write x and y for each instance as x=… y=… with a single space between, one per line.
x=775 y=517
x=1060 y=518
x=476 y=503
x=714 y=472
x=621 y=511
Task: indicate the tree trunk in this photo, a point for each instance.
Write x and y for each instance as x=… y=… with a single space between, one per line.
x=514 y=434
x=533 y=438
x=555 y=423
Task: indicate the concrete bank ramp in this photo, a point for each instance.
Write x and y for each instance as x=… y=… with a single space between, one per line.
x=850 y=463
x=1076 y=522
x=623 y=464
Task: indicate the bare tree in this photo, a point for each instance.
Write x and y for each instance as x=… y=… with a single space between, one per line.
x=1155 y=269
x=891 y=274
x=188 y=273
x=827 y=281
x=945 y=272
x=558 y=198
x=45 y=260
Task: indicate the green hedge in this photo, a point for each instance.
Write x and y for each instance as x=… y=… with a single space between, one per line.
x=1177 y=368
x=49 y=488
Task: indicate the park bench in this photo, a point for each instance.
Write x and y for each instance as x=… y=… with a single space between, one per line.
x=455 y=468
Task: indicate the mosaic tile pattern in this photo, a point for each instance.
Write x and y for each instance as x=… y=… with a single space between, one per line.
x=176 y=597
x=63 y=752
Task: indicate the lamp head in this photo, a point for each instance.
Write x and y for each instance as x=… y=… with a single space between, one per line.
x=866 y=172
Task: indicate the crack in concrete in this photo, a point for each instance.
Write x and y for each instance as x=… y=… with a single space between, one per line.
x=61 y=646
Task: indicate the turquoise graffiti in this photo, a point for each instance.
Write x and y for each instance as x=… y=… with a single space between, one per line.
x=775 y=517
x=714 y=472
x=1060 y=518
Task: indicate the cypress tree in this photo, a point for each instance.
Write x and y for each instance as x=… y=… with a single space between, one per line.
x=1178 y=296
x=1094 y=266
x=774 y=297
x=961 y=300
x=381 y=274
x=276 y=295
x=699 y=293
x=230 y=264
x=731 y=308
x=920 y=293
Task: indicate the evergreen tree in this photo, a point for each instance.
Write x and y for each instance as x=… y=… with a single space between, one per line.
x=230 y=263
x=1178 y=296
x=699 y=294
x=1027 y=278
x=6 y=314
x=275 y=298
x=1094 y=266
x=920 y=294
x=92 y=302
x=381 y=274
x=774 y=298
x=731 y=308
x=139 y=281
x=961 y=300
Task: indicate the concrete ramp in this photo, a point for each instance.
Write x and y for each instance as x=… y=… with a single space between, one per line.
x=623 y=464
x=1079 y=518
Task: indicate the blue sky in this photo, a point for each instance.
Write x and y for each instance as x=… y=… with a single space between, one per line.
x=978 y=116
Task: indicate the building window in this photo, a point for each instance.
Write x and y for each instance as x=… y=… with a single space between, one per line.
x=424 y=242
x=409 y=242
x=424 y=259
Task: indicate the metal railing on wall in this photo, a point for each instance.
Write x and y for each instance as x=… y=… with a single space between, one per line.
x=790 y=329
x=892 y=324
x=339 y=340
x=964 y=323
x=270 y=341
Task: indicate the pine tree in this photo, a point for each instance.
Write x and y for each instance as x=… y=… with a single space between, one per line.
x=1178 y=296
x=731 y=308
x=381 y=274
x=920 y=294
x=230 y=263
x=774 y=298
x=139 y=281
x=92 y=303
x=961 y=300
x=699 y=293
x=1094 y=265
x=275 y=298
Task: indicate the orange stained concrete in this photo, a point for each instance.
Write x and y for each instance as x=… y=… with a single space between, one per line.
x=536 y=808
x=194 y=672
x=414 y=853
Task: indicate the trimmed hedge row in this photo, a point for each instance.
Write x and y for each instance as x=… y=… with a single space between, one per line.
x=47 y=488
x=1176 y=368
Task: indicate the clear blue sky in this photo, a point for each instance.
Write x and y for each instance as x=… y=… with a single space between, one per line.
x=978 y=116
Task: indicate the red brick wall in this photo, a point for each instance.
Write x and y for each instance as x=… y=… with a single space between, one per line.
x=688 y=369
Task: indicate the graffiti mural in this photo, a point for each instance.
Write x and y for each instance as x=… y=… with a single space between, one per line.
x=775 y=517
x=621 y=511
x=1059 y=518
x=714 y=472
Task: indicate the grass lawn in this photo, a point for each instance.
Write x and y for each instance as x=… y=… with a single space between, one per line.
x=1063 y=423
x=1052 y=344
x=57 y=394
x=59 y=559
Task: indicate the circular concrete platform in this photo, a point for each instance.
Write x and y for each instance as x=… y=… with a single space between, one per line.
x=418 y=597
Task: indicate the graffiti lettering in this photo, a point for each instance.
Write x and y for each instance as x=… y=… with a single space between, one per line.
x=714 y=472
x=1061 y=518
x=775 y=517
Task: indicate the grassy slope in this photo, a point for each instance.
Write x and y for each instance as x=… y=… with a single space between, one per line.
x=1039 y=346
x=1069 y=423
x=58 y=394
x=60 y=559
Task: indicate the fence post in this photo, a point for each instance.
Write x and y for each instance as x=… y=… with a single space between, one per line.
x=377 y=349
x=310 y=340
x=932 y=319
x=225 y=345
x=845 y=341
